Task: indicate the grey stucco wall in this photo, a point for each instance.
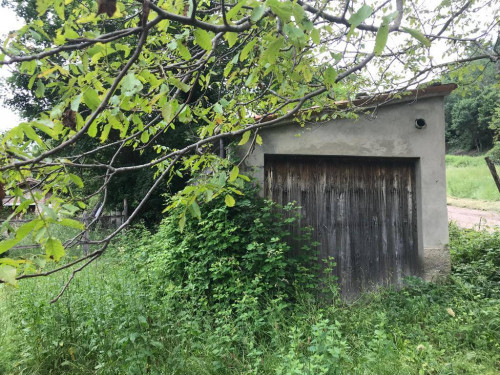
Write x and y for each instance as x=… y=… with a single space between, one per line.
x=390 y=133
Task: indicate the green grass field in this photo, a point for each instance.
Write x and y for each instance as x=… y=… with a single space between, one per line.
x=469 y=177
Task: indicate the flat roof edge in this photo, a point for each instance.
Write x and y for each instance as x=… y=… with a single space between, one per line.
x=379 y=100
x=399 y=97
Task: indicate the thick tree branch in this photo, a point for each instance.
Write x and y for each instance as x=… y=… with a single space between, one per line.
x=190 y=21
x=75 y=44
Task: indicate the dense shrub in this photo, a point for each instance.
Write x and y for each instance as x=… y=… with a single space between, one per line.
x=233 y=256
x=476 y=259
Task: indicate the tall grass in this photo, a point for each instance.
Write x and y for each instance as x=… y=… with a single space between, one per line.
x=111 y=322
x=469 y=177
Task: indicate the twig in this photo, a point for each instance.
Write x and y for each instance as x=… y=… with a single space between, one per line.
x=72 y=276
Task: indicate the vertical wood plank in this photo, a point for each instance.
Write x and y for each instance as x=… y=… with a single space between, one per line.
x=363 y=211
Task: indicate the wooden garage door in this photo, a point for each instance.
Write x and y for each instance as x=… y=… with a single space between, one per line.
x=363 y=211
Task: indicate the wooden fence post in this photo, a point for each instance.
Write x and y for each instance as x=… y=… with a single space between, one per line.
x=493 y=172
x=125 y=210
x=86 y=234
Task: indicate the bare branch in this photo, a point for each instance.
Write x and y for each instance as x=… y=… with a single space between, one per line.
x=72 y=276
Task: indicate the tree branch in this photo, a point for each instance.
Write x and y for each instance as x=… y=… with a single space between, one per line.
x=102 y=106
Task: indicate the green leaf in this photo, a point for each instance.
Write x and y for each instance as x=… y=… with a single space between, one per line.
x=245 y=138
x=330 y=76
x=71 y=223
x=307 y=74
x=91 y=99
x=271 y=53
x=92 y=129
x=257 y=13
x=362 y=14
x=236 y=191
x=230 y=202
x=390 y=17
x=75 y=103
x=182 y=222
x=59 y=8
x=282 y=9
x=246 y=50
x=25 y=229
x=70 y=208
x=203 y=39
x=183 y=51
x=179 y=84
x=357 y=18
x=234 y=10
x=105 y=132
x=31 y=134
x=218 y=108
x=131 y=85
x=54 y=249
x=381 y=39
x=315 y=36
x=8 y=244
x=42 y=6
x=157 y=345
x=12 y=262
x=40 y=89
x=186 y=115
x=76 y=180
x=47 y=130
x=234 y=173
x=418 y=35
x=169 y=110
x=8 y=274
x=195 y=210
x=299 y=14
x=231 y=38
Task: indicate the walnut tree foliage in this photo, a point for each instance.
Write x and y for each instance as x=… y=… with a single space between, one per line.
x=151 y=71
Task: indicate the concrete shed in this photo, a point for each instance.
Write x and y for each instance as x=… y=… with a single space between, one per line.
x=374 y=189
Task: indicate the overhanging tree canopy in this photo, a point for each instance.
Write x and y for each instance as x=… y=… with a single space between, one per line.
x=131 y=80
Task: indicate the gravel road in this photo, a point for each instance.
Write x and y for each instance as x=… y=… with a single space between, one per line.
x=468 y=218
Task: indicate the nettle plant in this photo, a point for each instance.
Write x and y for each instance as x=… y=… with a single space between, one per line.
x=158 y=85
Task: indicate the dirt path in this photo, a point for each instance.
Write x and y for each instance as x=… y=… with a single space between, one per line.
x=468 y=218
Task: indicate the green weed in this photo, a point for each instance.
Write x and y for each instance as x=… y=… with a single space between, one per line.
x=123 y=316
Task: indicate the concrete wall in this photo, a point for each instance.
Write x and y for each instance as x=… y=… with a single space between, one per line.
x=391 y=133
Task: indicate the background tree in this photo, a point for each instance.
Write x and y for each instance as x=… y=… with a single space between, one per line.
x=132 y=88
x=470 y=109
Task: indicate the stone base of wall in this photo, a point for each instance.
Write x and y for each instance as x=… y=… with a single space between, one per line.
x=436 y=263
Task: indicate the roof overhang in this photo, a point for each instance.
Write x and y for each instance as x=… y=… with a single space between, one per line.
x=372 y=101
x=398 y=97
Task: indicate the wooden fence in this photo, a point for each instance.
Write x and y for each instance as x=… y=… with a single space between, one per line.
x=112 y=220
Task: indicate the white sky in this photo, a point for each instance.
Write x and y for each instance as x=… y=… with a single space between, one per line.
x=8 y=22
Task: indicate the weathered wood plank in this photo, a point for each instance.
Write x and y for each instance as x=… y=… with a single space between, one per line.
x=363 y=212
